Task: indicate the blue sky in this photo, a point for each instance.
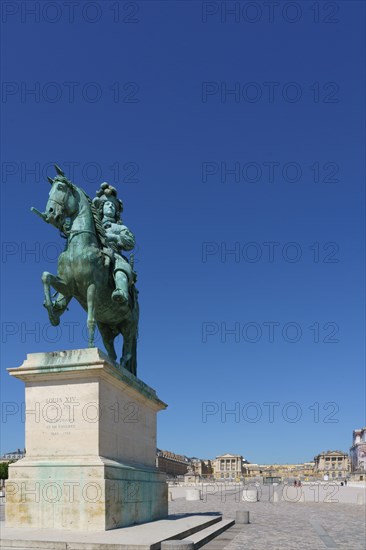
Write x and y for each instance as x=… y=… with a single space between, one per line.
x=163 y=100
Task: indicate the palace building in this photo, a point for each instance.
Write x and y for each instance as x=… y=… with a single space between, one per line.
x=229 y=466
x=331 y=465
x=172 y=464
x=358 y=455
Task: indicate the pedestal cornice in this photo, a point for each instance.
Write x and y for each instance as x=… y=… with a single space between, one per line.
x=78 y=363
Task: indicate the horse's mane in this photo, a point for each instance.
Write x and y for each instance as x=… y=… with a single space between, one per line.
x=99 y=229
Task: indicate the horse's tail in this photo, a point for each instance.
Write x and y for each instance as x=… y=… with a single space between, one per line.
x=135 y=308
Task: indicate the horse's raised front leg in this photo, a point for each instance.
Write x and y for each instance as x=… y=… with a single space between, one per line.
x=54 y=312
x=91 y=314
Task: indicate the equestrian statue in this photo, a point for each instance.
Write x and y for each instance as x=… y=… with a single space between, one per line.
x=92 y=268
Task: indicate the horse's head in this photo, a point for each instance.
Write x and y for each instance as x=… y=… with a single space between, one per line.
x=63 y=200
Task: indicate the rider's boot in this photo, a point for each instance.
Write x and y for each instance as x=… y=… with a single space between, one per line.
x=120 y=294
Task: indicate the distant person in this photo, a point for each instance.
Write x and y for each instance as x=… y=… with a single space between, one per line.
x=345 y=482
x=295 y=483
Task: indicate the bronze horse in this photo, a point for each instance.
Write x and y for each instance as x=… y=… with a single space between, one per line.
x=84 y=272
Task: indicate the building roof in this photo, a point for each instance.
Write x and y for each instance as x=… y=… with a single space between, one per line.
x=332 y=453
x=17 y=452
x=228 y=455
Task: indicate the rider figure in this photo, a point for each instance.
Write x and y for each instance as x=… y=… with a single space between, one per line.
x=118 y=237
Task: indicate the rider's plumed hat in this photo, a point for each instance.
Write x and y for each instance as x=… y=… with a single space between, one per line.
x=108 y=193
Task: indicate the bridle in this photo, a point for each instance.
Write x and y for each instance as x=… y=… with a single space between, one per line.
x=76 y=232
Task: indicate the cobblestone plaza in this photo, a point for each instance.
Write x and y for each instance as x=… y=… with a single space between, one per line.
x=282 y=525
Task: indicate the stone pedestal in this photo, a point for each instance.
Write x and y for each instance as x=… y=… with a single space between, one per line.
x=90 y=446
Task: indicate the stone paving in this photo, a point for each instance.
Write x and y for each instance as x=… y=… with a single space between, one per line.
x=281 y=525
x=284 y=525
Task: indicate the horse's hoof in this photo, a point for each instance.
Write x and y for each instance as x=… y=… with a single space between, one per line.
x=54 y=320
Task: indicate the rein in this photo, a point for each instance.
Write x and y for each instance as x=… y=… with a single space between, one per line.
x=70 y=234
x=59 y=203
x=78 y=232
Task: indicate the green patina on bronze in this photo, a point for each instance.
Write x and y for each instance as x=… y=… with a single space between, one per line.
x=92 y=268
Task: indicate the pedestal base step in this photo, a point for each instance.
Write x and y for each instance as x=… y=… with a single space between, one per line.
x=203 y=537
x=147 y=536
